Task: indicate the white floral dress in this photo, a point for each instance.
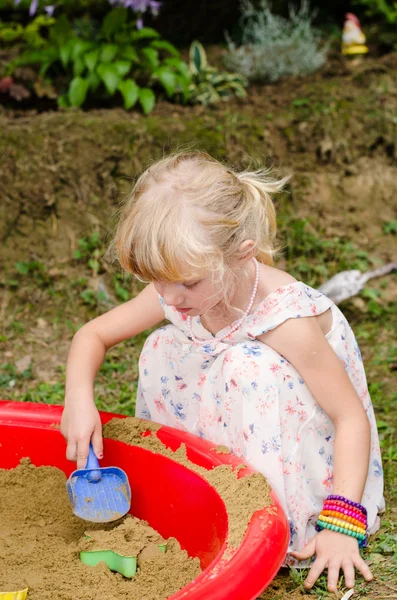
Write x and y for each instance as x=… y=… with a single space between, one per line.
x=241 y=393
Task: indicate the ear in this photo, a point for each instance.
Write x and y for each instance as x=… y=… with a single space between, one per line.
x=246 y=252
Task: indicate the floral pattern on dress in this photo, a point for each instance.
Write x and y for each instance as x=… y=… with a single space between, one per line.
x=241 y=393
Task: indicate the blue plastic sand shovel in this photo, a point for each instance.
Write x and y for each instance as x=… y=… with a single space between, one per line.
x=99 y=495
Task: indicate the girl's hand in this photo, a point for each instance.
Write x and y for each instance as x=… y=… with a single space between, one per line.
x=80 y=425
x=335 y=551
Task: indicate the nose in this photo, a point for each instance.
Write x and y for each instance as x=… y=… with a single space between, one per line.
x=172 y=295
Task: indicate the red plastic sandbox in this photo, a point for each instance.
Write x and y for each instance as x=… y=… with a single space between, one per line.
x=174 y=500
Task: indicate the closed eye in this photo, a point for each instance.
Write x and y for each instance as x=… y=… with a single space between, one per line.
x=190 y=286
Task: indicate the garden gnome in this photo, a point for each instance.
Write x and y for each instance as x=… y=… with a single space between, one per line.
x=353 y=39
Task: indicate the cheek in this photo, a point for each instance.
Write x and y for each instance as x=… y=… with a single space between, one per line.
x=209 y=296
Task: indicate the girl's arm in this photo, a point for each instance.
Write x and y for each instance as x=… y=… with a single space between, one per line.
x=80 y=420
x=303 y=344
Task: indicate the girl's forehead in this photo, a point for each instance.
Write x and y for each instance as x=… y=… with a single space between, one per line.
x=184 y=274
x=187 y=277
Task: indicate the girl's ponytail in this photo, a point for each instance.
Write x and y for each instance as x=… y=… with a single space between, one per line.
x=258 y=191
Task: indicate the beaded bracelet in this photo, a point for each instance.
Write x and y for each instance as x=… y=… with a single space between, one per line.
x=344 y=516
x=350 y=502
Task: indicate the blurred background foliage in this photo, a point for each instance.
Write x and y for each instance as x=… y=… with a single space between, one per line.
x=180 y=21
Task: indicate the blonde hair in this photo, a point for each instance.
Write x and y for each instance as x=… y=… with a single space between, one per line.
x=188 y=214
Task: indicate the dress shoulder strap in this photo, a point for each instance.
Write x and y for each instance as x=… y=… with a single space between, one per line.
x=291 y=301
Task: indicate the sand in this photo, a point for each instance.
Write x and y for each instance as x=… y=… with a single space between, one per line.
x=40 y=538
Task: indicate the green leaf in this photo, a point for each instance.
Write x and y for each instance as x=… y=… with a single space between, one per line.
x=179 y=65
x=78 y=66
x=62 y=31
x=65 y=53
x=152 y=56
x=390 y=227
x=121 y=292
x=298 y=102
x=93 y=81
x=147 y=100
x=110 y=77
x=130 y=92
x=122 y=67
x=168 y=79
x=114 y=21
x=183 y=87
x=130 y=53
x=91 y=59
x=217 y=78
x=108 y=52
x=197 y=58
x=22 y=268
x=63 y=101
x=79 y=46
x=144 y=33
x=78 y=91
x=44 y=69
x=163 y=45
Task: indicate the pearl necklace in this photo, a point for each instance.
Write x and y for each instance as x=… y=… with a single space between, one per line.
x=238 y=323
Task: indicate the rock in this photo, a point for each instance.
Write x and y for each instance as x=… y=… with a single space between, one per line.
x=23 y=363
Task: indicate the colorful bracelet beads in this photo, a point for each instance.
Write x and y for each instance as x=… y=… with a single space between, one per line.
x=344 y=516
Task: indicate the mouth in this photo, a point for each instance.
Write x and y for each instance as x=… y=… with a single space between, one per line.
x=183 y=310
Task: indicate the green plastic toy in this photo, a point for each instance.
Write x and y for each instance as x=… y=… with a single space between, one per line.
x=126 y=565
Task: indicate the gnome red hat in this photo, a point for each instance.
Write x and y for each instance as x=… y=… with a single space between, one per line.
x=352 y=17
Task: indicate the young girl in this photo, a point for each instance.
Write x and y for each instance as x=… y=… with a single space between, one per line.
x=252 y=359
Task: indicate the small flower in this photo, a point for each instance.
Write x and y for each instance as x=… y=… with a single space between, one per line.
x=276 y=444
x=328 y=480
x=33 y=7
x=265 y=447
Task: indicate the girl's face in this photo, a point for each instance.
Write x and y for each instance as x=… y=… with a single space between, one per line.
x=192 y=298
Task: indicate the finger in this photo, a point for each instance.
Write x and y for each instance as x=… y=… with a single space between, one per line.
x=71 y=450
x=333 y=576
x=97 y=441
x=306 y=552
x=315 y=571
x=348 y=571
x=82 y=453
x=362 y=566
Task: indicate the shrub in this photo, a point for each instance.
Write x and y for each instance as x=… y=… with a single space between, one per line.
x=275 y=46
x=208 y=85
x=114 y=58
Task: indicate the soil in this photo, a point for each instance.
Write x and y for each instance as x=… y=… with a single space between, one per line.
x=40 y=540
